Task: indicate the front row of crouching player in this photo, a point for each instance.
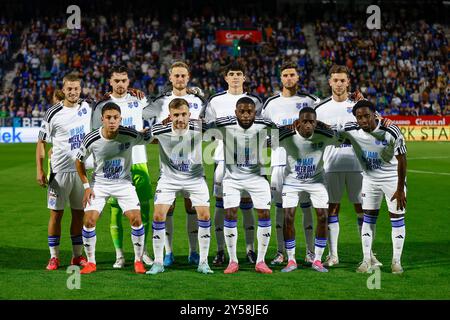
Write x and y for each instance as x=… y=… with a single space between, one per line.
x=379 y=147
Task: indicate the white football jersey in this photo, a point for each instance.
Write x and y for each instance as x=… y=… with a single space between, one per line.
x=284 y=111
x=305 y=155
x=341 y=158
x=223 y=104
x=65 y=128
x=180 y=154
x=376 y=150
x=112 y=157
x=158 y=109
x=243 y=148
x=131 y=112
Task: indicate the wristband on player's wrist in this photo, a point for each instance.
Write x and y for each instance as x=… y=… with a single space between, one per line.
x=86 y=185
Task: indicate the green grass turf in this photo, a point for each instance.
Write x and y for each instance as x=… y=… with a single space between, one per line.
x=426 y=257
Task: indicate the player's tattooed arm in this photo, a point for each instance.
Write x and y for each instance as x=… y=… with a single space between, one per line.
x=400 y=195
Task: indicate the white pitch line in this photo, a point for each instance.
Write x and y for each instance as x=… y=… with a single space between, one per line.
x=430 y=172
x=427 y=158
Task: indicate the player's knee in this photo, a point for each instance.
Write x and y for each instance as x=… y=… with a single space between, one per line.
x=231 y=215
x=203 y=215
x=322 y=217
x=288 y=218
x=263 y=214
x=89 y=222
x=158 y=217
x=56 y=217
x=333 y=209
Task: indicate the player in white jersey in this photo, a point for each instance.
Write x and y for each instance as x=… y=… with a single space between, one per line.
x=64 y=126
x=381 y=151
x=223 y=104
x=158 y=111
x=244 y=137
x=282 y=109
x=304 y=147
x=180 y=155
x=342 y=169
x=111 y=146
x=131 y=112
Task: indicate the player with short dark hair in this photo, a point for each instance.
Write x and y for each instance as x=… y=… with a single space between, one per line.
x=244 y=136
x=342 y=169
x=282 y=109
x=223 y=104
x=131 y=111
x=304 y=147
x=111 y=146
x=381 y=151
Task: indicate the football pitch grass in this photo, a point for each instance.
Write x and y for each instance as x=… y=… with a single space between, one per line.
x=426 y=256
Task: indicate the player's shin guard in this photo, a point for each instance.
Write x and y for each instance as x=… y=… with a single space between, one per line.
x=53 y=245
x=308 y=226
x=204 y=239
x=219 y=217
x=319 y=247
x=77 y=245
x=333 y=234
x=367 y=235
x=279 y=220
x=263 y=234
x=249 y=225
x=169 y=232
x=192 y=230
x=115 y=226
x=89 y=241
x=290 y=249
x=398 y=237
x=231 y=235
x=137 y=238
x=159 y=235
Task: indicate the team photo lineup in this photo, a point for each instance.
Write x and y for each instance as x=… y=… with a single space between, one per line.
x=242 y=120
x=230 y=147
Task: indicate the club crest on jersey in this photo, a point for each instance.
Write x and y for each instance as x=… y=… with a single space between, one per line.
x=132 y=105
x=349 y=109
x=316 y=146
x=124 y=146
x=383 y=142
x=193 y=105
x=301 y=105
x=82 y=111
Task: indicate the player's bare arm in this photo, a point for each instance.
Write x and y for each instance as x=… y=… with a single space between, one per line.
x=40 y=155
x=400 y=195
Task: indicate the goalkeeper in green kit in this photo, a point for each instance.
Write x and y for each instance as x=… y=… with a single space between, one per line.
x=131 y=110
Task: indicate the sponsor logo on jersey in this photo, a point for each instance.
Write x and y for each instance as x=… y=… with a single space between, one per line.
x=132 y=105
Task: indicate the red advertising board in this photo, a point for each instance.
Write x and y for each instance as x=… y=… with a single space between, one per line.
x=423 y=128
x=226 y=37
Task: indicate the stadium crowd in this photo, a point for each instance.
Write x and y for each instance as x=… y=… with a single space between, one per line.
x=402 y=69
x=147 y=47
